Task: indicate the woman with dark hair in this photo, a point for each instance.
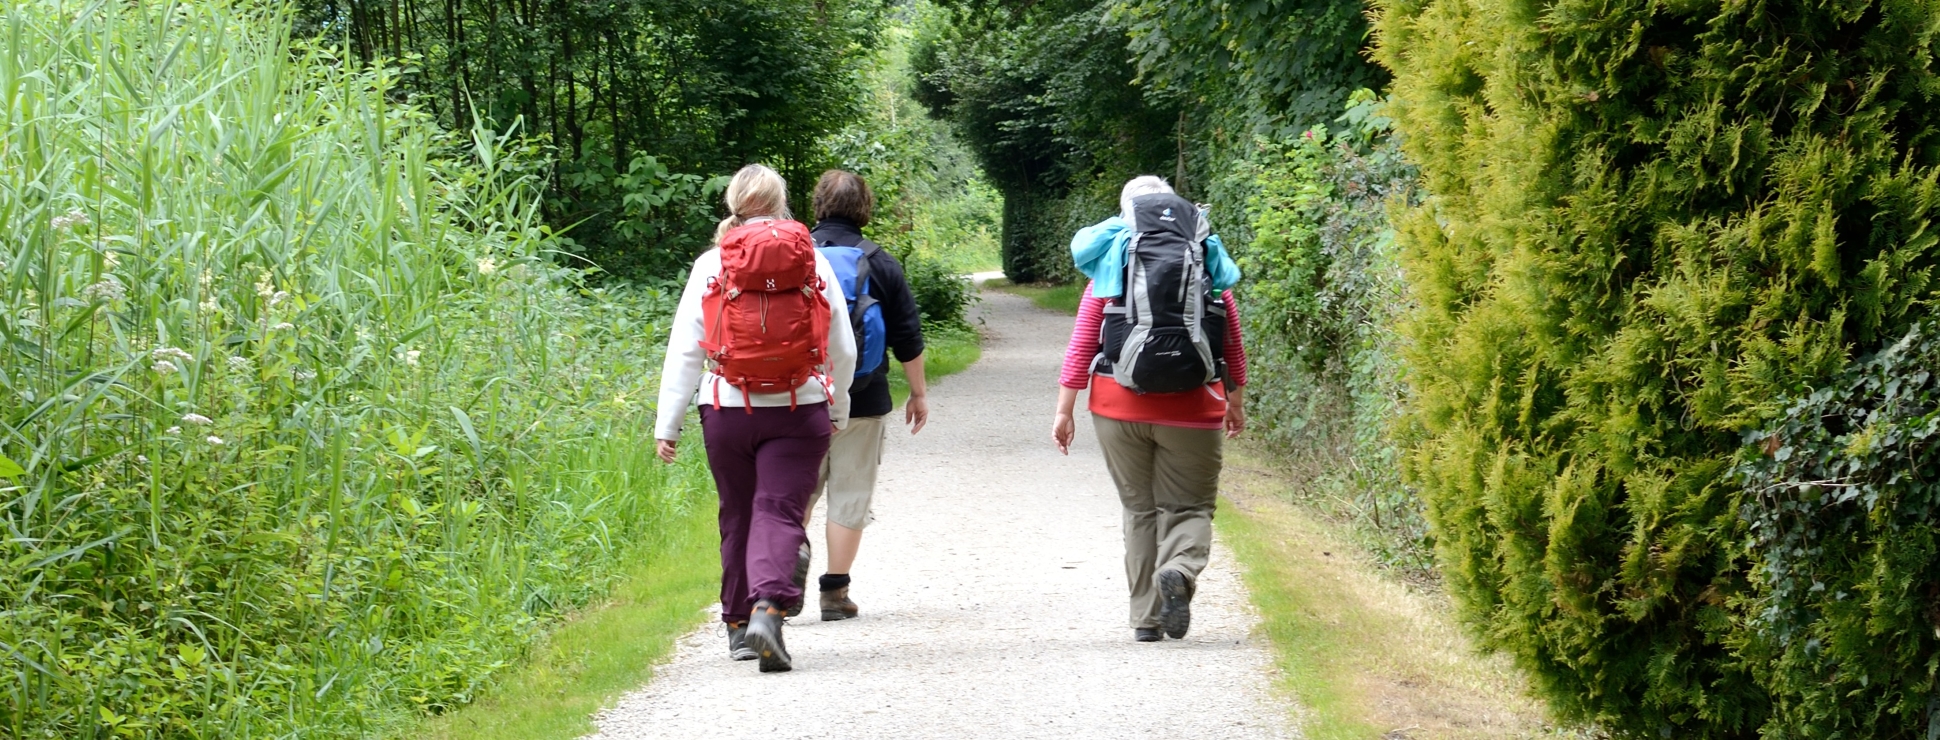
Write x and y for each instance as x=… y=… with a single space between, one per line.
x=885 y=321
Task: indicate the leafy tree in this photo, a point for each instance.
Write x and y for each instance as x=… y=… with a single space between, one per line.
x=1650 y=223
x=1043 y=93
x=637 y=96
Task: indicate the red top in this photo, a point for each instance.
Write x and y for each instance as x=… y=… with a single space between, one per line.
x=1197 y=409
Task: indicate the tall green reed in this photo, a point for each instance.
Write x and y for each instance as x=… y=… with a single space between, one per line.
x=300 y=430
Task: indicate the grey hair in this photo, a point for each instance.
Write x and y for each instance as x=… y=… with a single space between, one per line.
x=1141 y=185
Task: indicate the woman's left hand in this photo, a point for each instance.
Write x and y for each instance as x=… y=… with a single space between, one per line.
x=1235 y=413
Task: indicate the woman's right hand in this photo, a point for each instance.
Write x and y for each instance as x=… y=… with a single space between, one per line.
x=1063 y=428
x=666 y=448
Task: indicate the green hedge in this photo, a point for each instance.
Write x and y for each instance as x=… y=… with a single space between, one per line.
x=1648 y=225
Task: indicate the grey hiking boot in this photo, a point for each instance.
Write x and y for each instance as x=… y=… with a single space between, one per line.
x=1147 y=634
x=836 y=605
x=738 y=642
x=803 y=555
x=1175 y=603
x=764 y=637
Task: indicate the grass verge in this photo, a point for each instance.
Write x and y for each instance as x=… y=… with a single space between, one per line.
x=946 y=352
x=1054 y=297
x=594 y=657
x=1365 y=655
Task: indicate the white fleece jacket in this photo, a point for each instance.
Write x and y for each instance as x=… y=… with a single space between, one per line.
x=685 y=379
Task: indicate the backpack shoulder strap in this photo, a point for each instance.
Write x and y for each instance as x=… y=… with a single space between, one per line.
x=869 y=250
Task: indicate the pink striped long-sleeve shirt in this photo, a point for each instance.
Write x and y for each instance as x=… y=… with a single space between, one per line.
x=1197 y=409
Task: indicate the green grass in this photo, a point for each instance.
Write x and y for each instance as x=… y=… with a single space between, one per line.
x=947 y=352
x=605 y=651
x=1307 y=649
x=1062 y=298
x=313 y=435
x=1363 y=654
x=601 y=653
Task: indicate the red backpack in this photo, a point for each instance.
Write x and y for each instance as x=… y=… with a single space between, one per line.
x=767 y=322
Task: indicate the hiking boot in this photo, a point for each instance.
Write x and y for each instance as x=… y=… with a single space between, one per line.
x=803 y=555
x=738 y=642
x=1147 y=634
x=764 y=637
x=1175 y=603
x=836 y=605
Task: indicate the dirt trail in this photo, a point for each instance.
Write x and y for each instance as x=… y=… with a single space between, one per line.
x=993 y=598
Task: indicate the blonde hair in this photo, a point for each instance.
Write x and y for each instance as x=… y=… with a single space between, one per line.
x=1141 y=185
x=754 y=192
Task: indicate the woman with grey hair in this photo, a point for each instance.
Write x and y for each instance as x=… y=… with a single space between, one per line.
x=1157 y=275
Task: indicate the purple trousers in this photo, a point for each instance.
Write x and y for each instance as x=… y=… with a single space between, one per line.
x=765 y=466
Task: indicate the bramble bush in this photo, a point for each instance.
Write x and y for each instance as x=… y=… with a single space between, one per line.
x=1648 y=225
x=1322 y=289
x=302 y=432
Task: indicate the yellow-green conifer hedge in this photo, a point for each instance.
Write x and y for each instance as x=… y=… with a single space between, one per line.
x=1650 y=224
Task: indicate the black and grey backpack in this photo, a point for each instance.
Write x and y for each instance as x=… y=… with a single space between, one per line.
x=1167 y=332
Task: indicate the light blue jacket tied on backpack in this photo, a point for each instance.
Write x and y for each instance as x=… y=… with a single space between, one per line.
x=1099 y=250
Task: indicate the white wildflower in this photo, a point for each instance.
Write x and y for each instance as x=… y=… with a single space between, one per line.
x=206 y=279
x=197 y=419
x=171 y=353
x=215 y=440
x=141 y=459
x=209 y=306
x=173 y=430
x=283 y=326
x=363 y=335
x=305 y=375
x=72 y=219
x=165 y=367
x=279 y=297
x=266 y=284
x=238 y=362
x=411 y=357
x=487 y=266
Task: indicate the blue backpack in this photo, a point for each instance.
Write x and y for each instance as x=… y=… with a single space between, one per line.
x=865 y=315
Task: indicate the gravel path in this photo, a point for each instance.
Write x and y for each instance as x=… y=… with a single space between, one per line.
x=992 y=593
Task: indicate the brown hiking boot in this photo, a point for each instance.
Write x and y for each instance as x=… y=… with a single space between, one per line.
x=836 y=605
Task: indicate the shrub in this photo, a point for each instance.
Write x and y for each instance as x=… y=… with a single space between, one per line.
x=300 y=430
x=1322 y=289
x=1843 y=505
x=1649 y=223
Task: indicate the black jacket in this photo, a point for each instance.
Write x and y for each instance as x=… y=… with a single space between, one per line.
x=869 y=396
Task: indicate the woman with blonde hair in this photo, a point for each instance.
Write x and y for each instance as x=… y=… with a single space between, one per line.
x=761 y=341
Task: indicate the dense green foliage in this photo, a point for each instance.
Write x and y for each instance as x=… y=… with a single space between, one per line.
x=1323 y=288
x=642 y=101
x=934 y=210
x=1650 y=223
x=300 y=430
x=1843 y=504
x=1063 y=101
x=1042 y=93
